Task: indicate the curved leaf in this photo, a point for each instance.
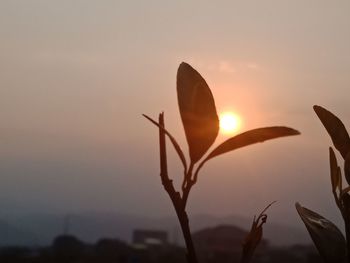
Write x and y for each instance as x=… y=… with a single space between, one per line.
x=347 y=167
x=328 y=239
x=197 y=110
x=172 y=139
x=335 y=176
x=335 y=129
x=251 y=137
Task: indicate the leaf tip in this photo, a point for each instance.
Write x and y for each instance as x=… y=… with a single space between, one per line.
x=316 y=107
x=295 y=132
x=184 y=66
x=147 y=117
x=299 y=209
x=287 y=130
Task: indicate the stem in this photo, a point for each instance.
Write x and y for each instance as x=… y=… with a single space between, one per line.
x=346 y=219
x=178 y=202
x=183 y=219
x=347 y=233
x=189 y=183
x=343 y=207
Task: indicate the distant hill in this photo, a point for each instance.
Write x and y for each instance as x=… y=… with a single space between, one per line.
x=277 y=234
x=40 y=229
x=11 y=235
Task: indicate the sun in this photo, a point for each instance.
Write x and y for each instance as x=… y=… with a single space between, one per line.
x=229 y=123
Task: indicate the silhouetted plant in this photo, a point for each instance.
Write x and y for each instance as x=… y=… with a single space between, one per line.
x=254 y=236
x=201 y=125
x=328 y=239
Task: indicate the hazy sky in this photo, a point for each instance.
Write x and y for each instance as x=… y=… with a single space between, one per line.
x=75 y=77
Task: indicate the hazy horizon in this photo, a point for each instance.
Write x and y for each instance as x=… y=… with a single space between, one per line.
x=77 y=75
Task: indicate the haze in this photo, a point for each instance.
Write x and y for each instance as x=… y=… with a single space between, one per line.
x=75 y=77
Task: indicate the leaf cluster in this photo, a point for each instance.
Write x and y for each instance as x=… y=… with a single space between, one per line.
x=201 y=126
x=329 y=240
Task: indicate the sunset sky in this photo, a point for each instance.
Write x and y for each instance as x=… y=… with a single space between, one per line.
x=75 y=77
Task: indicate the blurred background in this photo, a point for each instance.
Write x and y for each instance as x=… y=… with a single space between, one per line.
x=75 y=77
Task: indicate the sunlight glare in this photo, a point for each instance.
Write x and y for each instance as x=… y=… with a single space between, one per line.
x=229 y=123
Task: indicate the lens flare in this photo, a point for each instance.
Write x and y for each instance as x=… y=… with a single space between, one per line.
x=230 y=123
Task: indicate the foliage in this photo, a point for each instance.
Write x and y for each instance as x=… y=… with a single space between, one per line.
x=254 y=237
x=328 y=239
x=201 y=125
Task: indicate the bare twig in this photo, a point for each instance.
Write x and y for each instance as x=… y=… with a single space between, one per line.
x=179 y=202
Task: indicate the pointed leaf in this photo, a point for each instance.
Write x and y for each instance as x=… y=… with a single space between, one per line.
x=335 y=129
x=328 y=239
x=251 y=137
x=334 y=170
x=172 y=139
x=197 y=110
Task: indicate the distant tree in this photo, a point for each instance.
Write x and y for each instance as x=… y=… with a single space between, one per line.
x=112 y=250
x=67 y=248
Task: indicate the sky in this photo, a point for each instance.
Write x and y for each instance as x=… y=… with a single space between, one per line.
x=75 y=77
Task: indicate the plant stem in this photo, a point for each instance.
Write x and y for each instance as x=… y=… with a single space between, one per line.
x=178 y=202
x=347 y=233
x=183 y=219
x=189 y=183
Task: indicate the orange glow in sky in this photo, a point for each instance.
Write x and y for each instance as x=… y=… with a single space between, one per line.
x=230 y=123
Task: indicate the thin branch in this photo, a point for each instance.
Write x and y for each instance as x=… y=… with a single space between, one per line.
x=175 y=196
x=188 y=185
x=172 y=139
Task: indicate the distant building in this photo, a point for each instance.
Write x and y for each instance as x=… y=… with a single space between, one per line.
x=148 y=238
x=221 y=244
x=112 y=250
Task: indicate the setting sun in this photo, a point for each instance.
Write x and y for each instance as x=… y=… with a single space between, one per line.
x=229 y=122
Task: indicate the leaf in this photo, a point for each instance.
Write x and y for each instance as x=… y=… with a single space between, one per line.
x=334 y=170
x=340 y=183
x=197 y=110
x=254 y=236
x=347 y=167
x=172 y=139
x=328 y=239
x=253 y=239
x=335 y=129
x=346 y=207
x=251 y=137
